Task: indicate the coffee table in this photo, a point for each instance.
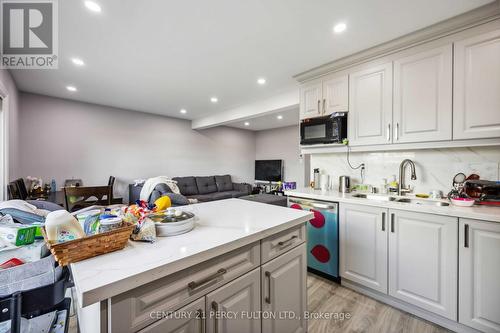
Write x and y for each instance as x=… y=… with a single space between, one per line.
x=277 y=200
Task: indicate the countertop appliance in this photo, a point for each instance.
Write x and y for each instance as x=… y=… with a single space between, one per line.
x=344 y=184
x=322 y=130
x=322 y=236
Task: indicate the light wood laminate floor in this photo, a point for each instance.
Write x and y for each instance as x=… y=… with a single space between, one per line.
x=366 y=314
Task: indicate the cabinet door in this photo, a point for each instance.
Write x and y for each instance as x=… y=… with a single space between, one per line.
x=363 y=245
x=335 y=94
x=229 y=308
x=370 y=106
x=310 y=100
x=423 y=252
x=479 y=275
x=476 y=101
x=189 y=319
x=423 y=96
x=284 y=283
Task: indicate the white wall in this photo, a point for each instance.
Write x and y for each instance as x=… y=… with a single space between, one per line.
x=63 y=139
x=9 y=87
x=435 y=168
x=282 y=143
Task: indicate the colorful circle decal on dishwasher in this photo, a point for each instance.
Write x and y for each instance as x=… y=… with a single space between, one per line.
x=295 y=206
x=318 y=221
x=321 y=253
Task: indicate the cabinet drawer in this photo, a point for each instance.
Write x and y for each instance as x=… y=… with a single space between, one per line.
x=131 y=311
x=275 y=245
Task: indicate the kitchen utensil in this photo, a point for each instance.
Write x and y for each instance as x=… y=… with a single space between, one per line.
x=462 y=202
x=344 y=184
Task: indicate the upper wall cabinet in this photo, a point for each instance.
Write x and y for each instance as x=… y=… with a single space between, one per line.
x=477 y=87
x=335 y=94
x=370 y=105
x=423 y=96
x=324 y=97
x=310 y=99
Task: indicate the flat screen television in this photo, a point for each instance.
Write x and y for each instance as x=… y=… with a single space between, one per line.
x=269 y=170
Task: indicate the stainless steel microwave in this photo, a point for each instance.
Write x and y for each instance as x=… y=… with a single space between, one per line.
x=321 y=130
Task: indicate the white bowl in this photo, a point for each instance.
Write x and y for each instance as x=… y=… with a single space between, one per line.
x=462 y=202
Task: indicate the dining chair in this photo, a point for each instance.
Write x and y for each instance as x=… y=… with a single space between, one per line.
x=21 y=187
x=80 y=197
x=12 y=191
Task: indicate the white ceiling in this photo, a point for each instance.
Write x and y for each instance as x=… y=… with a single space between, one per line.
x=160 y=56
x=269 y=121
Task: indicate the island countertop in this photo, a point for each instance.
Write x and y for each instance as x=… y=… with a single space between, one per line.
x=221 y=226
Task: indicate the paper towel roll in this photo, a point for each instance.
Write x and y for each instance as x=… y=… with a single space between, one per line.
x=325 y=182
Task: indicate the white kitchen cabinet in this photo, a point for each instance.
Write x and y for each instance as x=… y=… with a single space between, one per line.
x=423 y=96
x=479 y=275
x=335 y=94
x=370 y=106
x=188 y=319
x=423 y=250
x=229 y=304
x=311 y=99
x=279 y=276
x=476 y=101
x=363 y=245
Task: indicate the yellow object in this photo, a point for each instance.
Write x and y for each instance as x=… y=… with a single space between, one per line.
x=422 y=195
x=163 y=203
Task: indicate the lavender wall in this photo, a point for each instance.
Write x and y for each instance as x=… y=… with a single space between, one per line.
x=8 y=87
x=63 y=139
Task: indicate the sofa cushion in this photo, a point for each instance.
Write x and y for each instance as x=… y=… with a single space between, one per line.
x=236 y=194
x=224 y=183
x=211 y=196
x=187 y=185
x=206 y=185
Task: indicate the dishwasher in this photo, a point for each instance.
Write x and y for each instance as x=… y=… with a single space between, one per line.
x=322 y=236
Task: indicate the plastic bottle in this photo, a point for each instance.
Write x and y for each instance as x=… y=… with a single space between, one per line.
x=61 y=226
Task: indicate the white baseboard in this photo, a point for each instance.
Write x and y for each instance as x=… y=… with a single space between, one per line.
x=424 y=314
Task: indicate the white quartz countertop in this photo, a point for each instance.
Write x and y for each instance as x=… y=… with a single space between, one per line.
x=475 y=212
x=221 y=226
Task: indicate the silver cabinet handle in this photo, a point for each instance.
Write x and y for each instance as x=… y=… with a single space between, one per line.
x=392 y=222
x=324 y=102
x=383 y=221
x=196 y=284
x=389 y=132
x=215 y=307
x=288 y=241
x=267 y=299
x=201 y=316
x=396 y=132
x=466 y=235
x=319 y=102
x=314 y=204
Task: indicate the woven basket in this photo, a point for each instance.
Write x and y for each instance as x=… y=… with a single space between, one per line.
x=88 y=247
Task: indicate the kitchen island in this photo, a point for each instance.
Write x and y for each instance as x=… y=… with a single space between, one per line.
x=239 y=253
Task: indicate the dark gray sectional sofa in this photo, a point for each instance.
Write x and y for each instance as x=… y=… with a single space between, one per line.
x=203 y=189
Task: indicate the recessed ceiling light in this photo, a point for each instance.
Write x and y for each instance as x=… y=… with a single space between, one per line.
x=261 y=81
x=71 y=88
x=77 y=61
x=279 y=117
x=339 y=27
x=214 y=99
x=247 y=123
x=91 y=5
x=183 y=111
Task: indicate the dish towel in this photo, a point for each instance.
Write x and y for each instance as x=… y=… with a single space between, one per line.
x=150 y=184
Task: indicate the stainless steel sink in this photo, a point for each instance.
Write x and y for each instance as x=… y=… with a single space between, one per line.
x=423 y=202
x=402 y=200
x=374 y=197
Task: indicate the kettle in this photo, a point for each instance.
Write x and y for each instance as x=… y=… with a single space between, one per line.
x=344 y=184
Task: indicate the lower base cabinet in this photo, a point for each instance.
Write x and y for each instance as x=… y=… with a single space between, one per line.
x=189 y=319
x=279 y=277
x=230 y=308
x=479 y=275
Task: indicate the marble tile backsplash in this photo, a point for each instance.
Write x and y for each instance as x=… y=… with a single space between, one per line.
x=435 y=168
